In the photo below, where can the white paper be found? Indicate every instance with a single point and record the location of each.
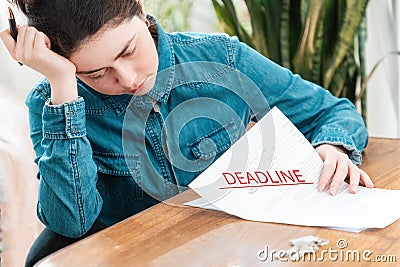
(202, 203)
(271, 175)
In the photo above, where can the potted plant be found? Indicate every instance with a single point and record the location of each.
(322, 40)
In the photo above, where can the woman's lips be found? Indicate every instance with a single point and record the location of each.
(145, 86)
(139, 87)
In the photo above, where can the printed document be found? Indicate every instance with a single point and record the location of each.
(271, 175)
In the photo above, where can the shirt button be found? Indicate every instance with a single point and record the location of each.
(74, 129)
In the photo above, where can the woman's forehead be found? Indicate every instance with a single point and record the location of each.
(105, 45)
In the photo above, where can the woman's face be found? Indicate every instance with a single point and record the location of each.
(119, 60)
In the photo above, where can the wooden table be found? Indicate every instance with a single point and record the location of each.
(168, 235)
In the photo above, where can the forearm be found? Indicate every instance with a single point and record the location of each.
(321, 117)
(63, 89)
(68, 199)
(343, 126)
(325, 119)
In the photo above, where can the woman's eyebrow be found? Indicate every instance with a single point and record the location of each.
(89, 71)
(126, 46)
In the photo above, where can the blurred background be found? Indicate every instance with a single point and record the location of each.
(382, 97)
(376, 34)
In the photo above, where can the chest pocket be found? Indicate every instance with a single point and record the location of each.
(212, 145)
(115, 163)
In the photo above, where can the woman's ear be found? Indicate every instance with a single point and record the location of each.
(141, 7)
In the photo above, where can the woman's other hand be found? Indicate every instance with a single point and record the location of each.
(337, 167)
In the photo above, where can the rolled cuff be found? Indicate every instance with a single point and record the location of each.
(64, 121)
(339, 137)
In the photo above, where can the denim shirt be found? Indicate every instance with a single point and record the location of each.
(108, 157)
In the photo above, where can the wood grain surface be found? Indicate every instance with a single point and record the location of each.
(174, 235)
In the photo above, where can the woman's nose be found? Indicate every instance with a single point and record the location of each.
(126, 77)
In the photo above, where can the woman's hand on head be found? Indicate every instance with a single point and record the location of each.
(337, 167)
(33, 50)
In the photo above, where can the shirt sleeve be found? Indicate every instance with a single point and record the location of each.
(68, 201)
(320, 116)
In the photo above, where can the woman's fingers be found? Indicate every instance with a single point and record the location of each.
(328, 170)
(340, 173)
(20, 45)
(27, 45)
(8, 42)
(354, 174)
(366, 179)
(31, 45)
(336, 168)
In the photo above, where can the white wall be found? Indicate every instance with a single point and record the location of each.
(383, 91)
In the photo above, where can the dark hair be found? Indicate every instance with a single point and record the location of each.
(68, 23)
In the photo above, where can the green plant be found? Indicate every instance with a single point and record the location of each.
(172, 14)
(322, 40)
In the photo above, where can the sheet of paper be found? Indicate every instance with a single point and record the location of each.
(271, 175)
(202, 203)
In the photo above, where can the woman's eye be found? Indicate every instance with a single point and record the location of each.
(97, 76)
(129, 53)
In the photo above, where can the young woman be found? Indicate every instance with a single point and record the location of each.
(128, 114)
